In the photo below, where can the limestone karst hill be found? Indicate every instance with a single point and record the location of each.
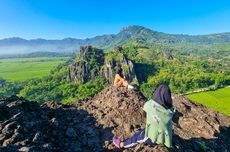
(90, 125)
(91, 63)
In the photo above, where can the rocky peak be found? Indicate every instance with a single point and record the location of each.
(134, 29)
(194, 125)
(115, 58)
(89, 53)
(92, 63)
(90, 125)
(87, 65)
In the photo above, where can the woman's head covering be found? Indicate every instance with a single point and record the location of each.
(162, 95)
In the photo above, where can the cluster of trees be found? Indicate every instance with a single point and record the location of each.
(55, 87)
(183, 73)
(10, 88)
(215, 50)
(183, 79)
(50, 90)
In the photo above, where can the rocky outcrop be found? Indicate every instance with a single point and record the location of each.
(114, 59)
(90, 125)
(87, 65)
(167, 56)
(92, 63)
(26, 126)
(196, 128)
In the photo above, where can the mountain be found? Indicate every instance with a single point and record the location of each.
(137, 33)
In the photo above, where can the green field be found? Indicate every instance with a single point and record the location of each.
(218, 100)
(21, 69)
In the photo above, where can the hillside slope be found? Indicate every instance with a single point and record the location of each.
(90, 125)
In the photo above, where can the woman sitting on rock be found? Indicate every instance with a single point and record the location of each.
(119, 80)
(159, 111)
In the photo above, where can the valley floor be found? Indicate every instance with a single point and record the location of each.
(21, 69)
(218, 100)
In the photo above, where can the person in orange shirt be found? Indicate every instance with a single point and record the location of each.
(119, 80)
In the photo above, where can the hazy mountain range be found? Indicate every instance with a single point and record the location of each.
(138, 33)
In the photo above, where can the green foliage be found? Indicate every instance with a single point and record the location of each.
(92, 58)
(126, 68)
(147, 89)
(183, 74)
(215, 50)
(114, 55)
(10, 88)
(88, 89)
(144, 71)
(181, 77)
(55, 88)
(130, 51)
(184, 77)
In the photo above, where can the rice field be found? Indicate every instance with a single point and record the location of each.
(21, 69)
(218, 100)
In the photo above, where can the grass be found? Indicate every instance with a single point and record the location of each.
(218, 100)
(21, 69)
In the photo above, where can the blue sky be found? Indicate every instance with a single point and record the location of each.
(57, 19)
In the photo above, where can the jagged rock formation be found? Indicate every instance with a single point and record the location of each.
(112, 60)
(25, 126)
(92, 62)
(122, 111)
(87, 65)
(90, 125)
(193, 124)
